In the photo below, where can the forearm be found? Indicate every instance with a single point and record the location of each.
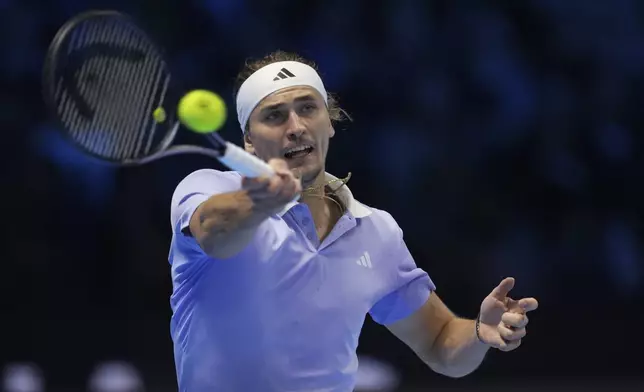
(224, 224)
(457, 348)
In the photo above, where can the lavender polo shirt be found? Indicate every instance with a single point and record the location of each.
(285, 314)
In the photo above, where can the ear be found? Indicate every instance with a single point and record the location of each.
(248, 144)
(331, 130)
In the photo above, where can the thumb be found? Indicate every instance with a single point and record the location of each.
(501, 291)
(279, 165)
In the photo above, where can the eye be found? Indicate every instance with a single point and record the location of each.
(272, 116)
(307, 107)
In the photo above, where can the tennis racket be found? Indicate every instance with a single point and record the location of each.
(103, 80)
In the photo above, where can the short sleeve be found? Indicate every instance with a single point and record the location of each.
(409, 286)
(196, 188)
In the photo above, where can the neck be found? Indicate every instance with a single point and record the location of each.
(324, 209)
(313, 196)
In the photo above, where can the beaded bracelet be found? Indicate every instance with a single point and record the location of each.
(478, 323)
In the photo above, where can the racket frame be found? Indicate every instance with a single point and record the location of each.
(50, 85)
(226, 152)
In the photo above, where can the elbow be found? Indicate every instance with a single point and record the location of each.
(222, 244)
(207, 244)
(214, 247)
(449, 371)
(454, 372)
(445, 368)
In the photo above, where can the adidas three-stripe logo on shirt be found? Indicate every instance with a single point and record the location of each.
(364, 260)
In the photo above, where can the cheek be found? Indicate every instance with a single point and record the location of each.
(324, 131)
(328, 134)
(264, 139)
(324, 148)
(267, 148)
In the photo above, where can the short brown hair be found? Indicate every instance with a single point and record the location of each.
(336, 114)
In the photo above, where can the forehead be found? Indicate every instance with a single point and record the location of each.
(288, 95)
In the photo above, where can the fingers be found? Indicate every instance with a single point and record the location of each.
(510, 335)
(272, 185)
(528, 304)
(275, 190)
(515, 320)
(279, 166)
(502, 290)
(502, 337)
(289, 187)
(284, 184)
(504, 345)
(510, 345)
(281, 187)
(512, 330)
(498, 342)
(254, 184)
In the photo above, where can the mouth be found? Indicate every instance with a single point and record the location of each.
(298, 152)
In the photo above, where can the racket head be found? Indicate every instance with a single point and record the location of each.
(103, 79)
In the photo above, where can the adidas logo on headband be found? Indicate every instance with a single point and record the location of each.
(283, 74)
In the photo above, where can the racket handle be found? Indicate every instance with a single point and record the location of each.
(248, 165)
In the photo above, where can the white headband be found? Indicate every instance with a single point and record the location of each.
(271, 78)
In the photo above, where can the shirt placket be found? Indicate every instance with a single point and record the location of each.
(304, 221)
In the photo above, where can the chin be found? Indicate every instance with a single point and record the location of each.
(307, 173)
(308, 177)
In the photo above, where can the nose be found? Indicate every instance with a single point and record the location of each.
(295, 127)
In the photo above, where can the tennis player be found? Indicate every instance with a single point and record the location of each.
(270, 293)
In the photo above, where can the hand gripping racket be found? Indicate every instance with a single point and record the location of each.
(103, 80)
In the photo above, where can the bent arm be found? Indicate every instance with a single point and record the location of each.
(224, 224)
(446, 343)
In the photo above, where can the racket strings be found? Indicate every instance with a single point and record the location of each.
(118, 82)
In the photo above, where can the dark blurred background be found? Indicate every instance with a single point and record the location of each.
(504, 136)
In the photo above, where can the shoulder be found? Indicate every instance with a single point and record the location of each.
(382, 220)
(207, 181)
(205, 176)
(380, 228)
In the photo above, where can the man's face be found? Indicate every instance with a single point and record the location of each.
(292, 124)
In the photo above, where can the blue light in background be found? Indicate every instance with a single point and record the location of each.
(92, 181)
(623, 256)
(224, 12)
(564, 169)
(614, 142)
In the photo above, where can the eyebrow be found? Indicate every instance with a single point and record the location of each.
(302, 98)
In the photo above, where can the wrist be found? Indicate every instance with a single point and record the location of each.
(477, 329)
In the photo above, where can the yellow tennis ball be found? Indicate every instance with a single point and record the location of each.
(159, 115)
(202, 111)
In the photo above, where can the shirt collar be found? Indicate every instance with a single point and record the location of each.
(357, 209)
